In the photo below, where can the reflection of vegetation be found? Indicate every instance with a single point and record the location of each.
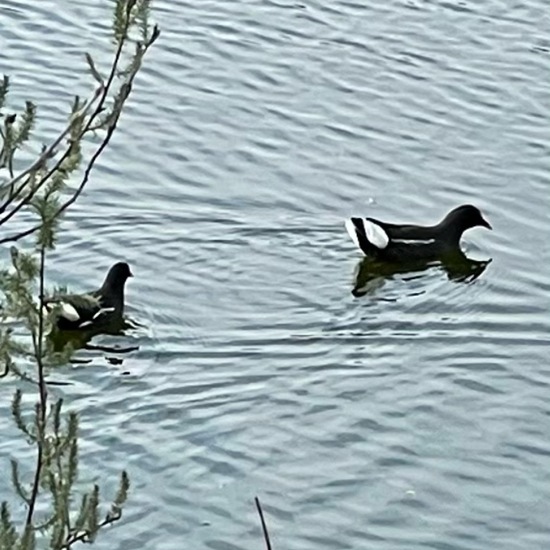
(371, 274)
(36, 198)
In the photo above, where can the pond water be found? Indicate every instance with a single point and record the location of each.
(414, 416)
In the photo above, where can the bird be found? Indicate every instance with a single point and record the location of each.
(93, 309)
(390, 242)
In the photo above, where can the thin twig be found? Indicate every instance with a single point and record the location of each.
(93, 159)
(21, 234)
(41, 380)
(6, 370)
(112, 126)
(42, 391)
(103, 91)
(69, 201)
(47, 153)
(264, 526)
(88, 170)
(83, 536)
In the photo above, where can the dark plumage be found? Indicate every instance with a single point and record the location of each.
(94, 309)
(396, 243)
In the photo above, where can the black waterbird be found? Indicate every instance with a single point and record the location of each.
(94, 309)
(405, 243)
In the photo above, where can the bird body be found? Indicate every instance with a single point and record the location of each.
(394, 242)
(93, 309)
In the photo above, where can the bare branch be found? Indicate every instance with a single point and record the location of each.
(93, 69)
(43, 392)
(264, 526)
(46, 154)
(102, 93)
(85, 535)
(112, 127)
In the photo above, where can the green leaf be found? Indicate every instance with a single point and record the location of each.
(123, 489)
(143, 14)
(93, 70)
(4, 88)
(119, 20)
(82, 514)
(18, 416)
(21, 491)
(22, 133)
(92, 520)
(28, 541)
(8, 535)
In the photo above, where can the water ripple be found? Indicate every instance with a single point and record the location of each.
(415, 416)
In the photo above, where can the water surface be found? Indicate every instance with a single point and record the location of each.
(416, 416)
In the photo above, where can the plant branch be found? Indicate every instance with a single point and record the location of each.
(6, 371)
(83, 536)
(43, 392)
(102, 91)
(98, 151)
(44, 190)
(89, 168)
(46, 154)
(264, 526)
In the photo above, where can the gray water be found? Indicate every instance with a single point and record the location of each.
(416, 416)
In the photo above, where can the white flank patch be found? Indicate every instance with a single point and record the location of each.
(85, 324)
(414, 241)
(67, 311)
(375, 234)
(350, 228)
(102, 311)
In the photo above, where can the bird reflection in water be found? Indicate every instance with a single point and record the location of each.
(372, 274)
(74, 340)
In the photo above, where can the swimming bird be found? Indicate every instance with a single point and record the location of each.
(395, 243)
(93, 309)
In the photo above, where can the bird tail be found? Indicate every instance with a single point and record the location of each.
(367, 235)
(352, 232)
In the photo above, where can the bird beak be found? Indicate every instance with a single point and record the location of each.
(130, 274)
(485, 223)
